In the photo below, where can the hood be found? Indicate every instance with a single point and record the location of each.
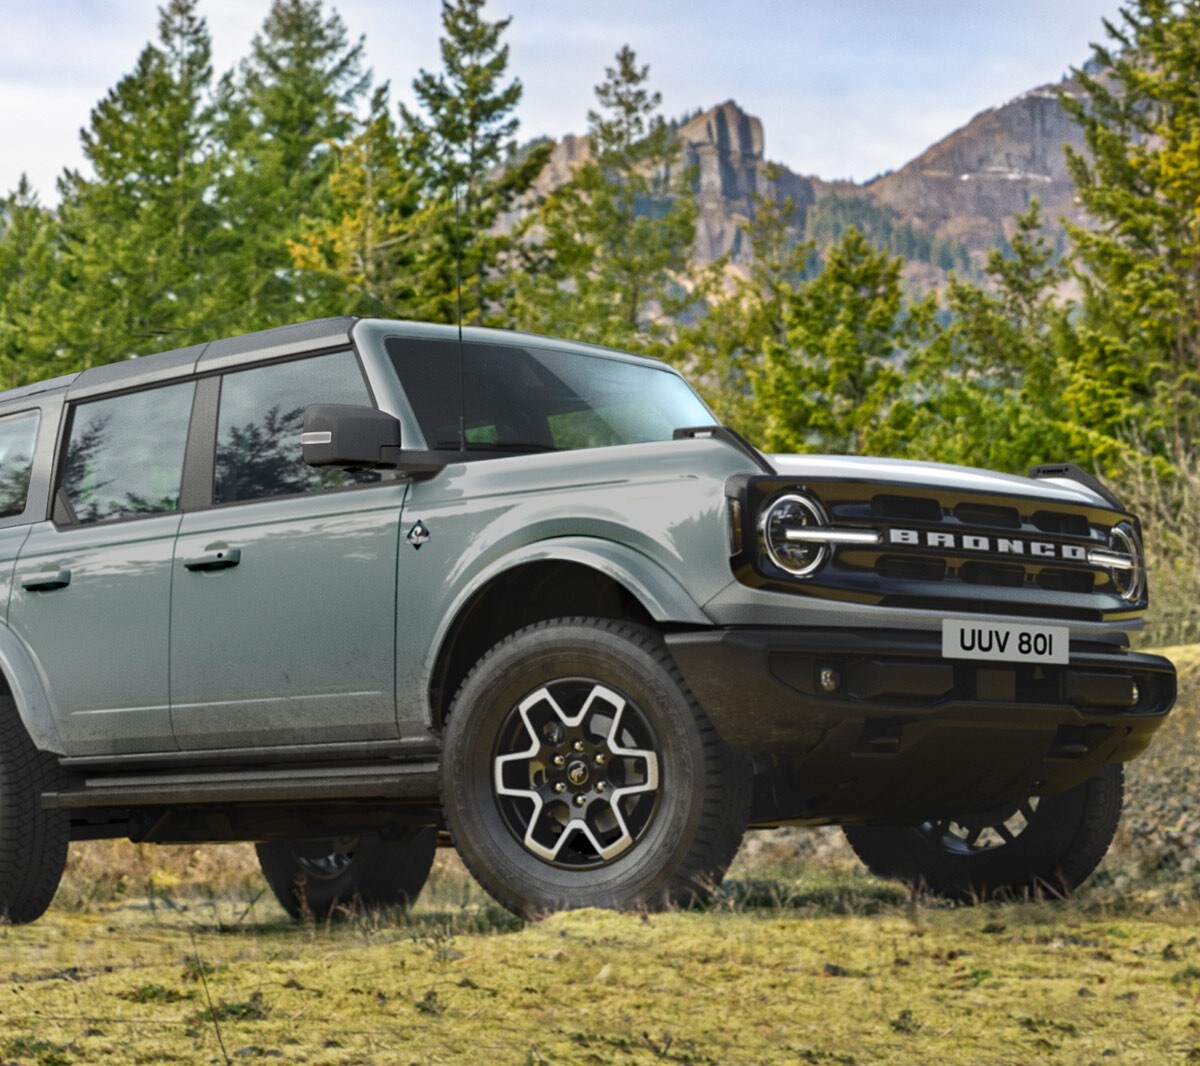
(912, 473)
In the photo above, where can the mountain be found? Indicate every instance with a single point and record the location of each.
(942, 211)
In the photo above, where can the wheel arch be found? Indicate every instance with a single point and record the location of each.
(22, 680)
(568, 577)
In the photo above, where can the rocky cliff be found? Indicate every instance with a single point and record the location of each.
(942, 210)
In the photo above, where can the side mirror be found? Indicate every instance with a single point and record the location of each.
(348, 436)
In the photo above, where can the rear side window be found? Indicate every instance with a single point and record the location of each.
(18, 435)
(260, 421)
(125, 454)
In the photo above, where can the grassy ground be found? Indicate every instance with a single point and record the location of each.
(178, 955)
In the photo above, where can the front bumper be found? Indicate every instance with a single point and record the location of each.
(908, 735)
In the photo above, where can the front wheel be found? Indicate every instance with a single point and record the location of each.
(579, 771)
(312, 878)
(1048, 844)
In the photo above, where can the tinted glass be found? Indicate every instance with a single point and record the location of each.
(261, 418)
(537, 399)
(125, 455)
(18, 435)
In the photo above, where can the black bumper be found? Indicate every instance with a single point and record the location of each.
(907, 734)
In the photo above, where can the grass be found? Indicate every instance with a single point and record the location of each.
(179, 955)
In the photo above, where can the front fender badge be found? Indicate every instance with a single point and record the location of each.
(418, 535)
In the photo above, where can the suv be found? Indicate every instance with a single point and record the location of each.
(353, 588)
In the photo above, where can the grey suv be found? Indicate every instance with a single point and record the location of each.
(352, 588)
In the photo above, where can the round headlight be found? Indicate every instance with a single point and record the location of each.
(798, 558)
(1130, 583)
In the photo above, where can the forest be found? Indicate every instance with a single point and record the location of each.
(293, 187)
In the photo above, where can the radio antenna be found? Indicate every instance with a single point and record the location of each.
(462, 370)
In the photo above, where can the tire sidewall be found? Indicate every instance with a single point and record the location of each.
(639, 877)
(1058, 849)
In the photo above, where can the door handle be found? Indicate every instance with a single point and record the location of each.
(214, 559)
(46, 580)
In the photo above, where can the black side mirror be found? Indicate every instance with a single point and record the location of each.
(348, 436)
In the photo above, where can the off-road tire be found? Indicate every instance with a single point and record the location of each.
(33, 842)
(366, 875)
(700, 807)
(1061, 845)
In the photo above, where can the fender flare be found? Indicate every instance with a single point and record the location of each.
(663, 597)
(30, 692)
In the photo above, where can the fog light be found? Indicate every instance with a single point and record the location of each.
(1135, 694)
(829, 679)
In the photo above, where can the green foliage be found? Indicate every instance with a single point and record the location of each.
(831, 388)
(29, 265)
(1139, 263)
(289, 101)
(610, 247)
(747, 313)
(456, 146)
(987, 390)
(370, 243)
(137, 234)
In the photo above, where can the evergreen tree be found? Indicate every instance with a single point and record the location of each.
(289, 102)
(833, 385)
(138, 229)
(29, 287)
(988, 389)
(746, 313)
(1138, 261)
(610, 247)
(370, 246)
(460, 143)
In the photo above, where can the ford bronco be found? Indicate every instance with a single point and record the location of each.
(353, 588)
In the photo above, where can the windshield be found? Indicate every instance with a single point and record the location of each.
(517, 398)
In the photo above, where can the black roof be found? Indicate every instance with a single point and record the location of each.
(212, 355)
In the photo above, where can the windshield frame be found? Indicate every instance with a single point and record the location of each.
(441, 428)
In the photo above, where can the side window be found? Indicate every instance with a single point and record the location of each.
(18, 435)
(125, 454)
(260, 420)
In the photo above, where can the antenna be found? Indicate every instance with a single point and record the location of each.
(462, 359)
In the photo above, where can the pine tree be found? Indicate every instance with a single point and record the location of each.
(610, 247)
(1138, 262)
(370, 246)
(29, 287)
(137, 230)
(460, 142)
(832, 386)
(282, 112)
(988, 389)
(746, 313)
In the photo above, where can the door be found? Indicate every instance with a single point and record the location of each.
(91, 590)
(283, 617)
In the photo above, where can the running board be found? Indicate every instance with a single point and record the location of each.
(396, 781)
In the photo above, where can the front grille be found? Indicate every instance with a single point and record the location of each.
(953, 550)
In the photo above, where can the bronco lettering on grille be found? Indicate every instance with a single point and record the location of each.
(979, 543)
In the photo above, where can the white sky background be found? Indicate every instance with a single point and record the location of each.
(845, 88)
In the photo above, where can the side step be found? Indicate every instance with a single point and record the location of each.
(387, 781)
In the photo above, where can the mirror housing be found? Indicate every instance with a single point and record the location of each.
(349, 436)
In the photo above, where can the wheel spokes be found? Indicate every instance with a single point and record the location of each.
(580, 777)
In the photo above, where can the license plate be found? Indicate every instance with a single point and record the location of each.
(1001, 642)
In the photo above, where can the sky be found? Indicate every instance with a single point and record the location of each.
(845, 88)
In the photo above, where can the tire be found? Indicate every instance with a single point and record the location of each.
(1045, 846)
(312, 879)
(33, 842)
(645, 807)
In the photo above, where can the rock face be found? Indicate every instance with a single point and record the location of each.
(961, 192)
(724, 149)
(968, 184)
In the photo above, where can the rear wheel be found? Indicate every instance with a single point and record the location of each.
(33, 842)
(579, 771)
(312, 878)
(1048, 844)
